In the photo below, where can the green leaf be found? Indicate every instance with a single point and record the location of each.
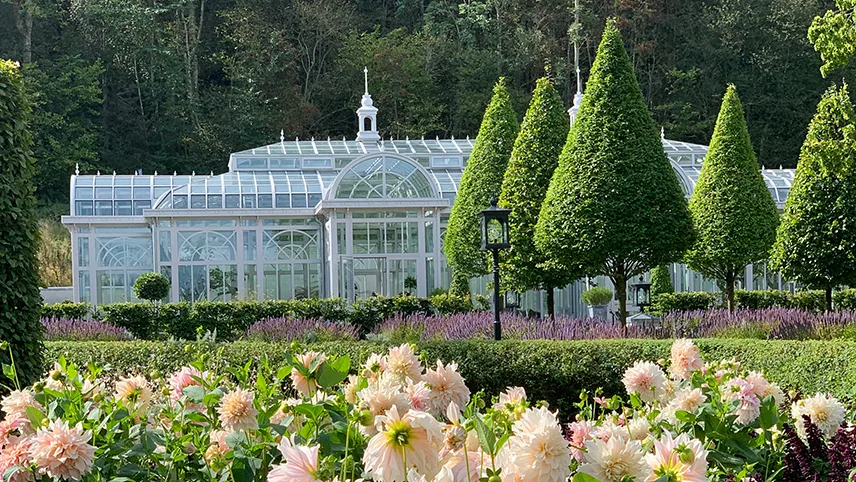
(487, 439)
(333, 373)
(769, 417)
(194, 392)
(581, 477)
(36, 416)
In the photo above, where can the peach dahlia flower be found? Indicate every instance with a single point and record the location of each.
(63, 452)
(237, 412)
(414, 437)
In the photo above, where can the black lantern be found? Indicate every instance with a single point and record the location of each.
(642, 293)
(512, 300)
(494, 236)
(494, 227)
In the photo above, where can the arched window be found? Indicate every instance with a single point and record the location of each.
(367, 124)
(384, 177)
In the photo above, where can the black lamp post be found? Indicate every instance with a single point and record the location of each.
(642, 294)
(494, 236)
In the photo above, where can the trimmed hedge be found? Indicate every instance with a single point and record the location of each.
(549, 370)
(698, 300)
(66, 309)
(230, 320)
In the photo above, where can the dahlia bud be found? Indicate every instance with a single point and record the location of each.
(686, 455)
(366, 418)
(189, 448)
(56, 375)
(4, 345)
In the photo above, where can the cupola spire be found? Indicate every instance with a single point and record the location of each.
(578, 97)
(367, 115)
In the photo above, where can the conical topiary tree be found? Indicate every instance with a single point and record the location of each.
(481, 181)
(533, 159)
(614, 205)
(816, 240)
(734, 216)
(20, 302)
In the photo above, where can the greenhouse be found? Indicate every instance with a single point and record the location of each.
(307, 218)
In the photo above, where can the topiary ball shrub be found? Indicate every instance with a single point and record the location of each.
(151, 287)
(597, 296)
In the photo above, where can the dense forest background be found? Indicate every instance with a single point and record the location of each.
(176, 85)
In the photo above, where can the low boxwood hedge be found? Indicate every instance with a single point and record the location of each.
(549, 370)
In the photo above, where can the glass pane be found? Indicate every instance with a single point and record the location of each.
(123, 208)
(251, 283)
(283, 201)
(429, 236)
(123, 193)
(179, 202)
(265, 201)
(233, 201)
(197, 201)
(83, 193)
(249, 201)
(249, 245)
(140, 205)
(103, 208)
(83, 287)
(165, 246)
(83, 208)
(215, 201)
(83, 251)
(103, 193)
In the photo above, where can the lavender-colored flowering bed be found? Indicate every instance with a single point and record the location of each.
(305, 329)
(768, 323)
(478, 325)
(67, 329)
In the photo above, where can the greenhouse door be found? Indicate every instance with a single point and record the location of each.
(369, 277)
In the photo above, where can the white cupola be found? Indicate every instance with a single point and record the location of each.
(367, 116)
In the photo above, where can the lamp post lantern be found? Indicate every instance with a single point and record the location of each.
(642, 294)
(494, 237)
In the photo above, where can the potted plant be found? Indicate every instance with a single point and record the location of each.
(597, 298)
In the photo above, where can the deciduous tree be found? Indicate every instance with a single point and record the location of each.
(614, 205)
(733, 213)
(816, 240)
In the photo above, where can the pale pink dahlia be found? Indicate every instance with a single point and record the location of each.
(351, 389)
(402, 363)
(186, 377)
(748, 406)
(455, 467)
(373, 366)
(825, 411)
(11, 429)
(299, 463)
(686, 358)
(237, 411)
(420, 396)
(15, 404)
(306, 386)
(447, 385)
(580, 433)
(615, 461)
(414, 437)
(510, 399)
(680, 459)
(217, 445)
(60, 451)
(645, 379)
(537, 450)
(17, 455)
(763, 388)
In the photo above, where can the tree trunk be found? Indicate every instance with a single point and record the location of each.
(729, 290)
(24, 24)
(829, 298)
(620, 283)
(551, 302)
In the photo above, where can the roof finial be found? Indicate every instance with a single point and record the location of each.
(366, 76)
(77, 169)
(662, 133)
(282, 135)
(578, 97)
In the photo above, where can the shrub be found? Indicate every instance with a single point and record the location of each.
(550, 370)
(813, 300)
(20, 302)
(666, 302)
(369, 312)
(763, 299)
(449, 304)
(151, 287)
(844, 299)
(138, 318)
(69, 329)
(597, 296)
(661, 280)
(66, 309)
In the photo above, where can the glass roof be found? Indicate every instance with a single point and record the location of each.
(778, 181)
(296, 174)
(346, 147)
(384, 177)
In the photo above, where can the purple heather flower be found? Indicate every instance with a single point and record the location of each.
(67, 329)
(306, 329)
